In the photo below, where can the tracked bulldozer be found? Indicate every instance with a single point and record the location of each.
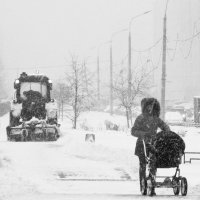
(33, 114)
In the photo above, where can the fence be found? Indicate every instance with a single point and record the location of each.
(191, 158)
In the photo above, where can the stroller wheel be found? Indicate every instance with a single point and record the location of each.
(176, 186)
(144, 186)
(184, 186)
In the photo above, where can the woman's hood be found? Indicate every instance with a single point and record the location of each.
(150, 106)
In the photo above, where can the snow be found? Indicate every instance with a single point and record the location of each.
(96, 120)
(72, 168)
(173, 117)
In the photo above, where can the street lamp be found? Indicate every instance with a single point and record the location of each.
(129, 53)
(111, 70)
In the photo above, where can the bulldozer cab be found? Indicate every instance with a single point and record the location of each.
(26, 85)
(33, 86)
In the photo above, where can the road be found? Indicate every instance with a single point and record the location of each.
(60, 170)
(71, 168)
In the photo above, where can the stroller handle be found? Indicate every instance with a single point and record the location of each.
(145, 151)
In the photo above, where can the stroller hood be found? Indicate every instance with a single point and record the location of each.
(170, 147)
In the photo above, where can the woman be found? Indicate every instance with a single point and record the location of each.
(145, 128)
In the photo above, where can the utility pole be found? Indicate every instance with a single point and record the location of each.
(129, 115)
(129, 67)
(62, 108)
(163, 79)
(98, 80)
(85, 76)
(111, 80)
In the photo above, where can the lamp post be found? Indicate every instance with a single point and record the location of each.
(129, 55)
(111, 69)
(163, 79)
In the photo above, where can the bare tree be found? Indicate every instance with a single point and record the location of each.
(139, 87)
(60, 93)
(3, 93)
(79, 84)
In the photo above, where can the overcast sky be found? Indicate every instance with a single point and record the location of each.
(44, 32)
(41, 34)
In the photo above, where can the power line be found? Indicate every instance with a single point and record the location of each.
(190, 48)
(194, 35)
(149, 48)
(189, 38)
(159, 59)
(174, 54)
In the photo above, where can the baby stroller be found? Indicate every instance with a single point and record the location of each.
(168, 149)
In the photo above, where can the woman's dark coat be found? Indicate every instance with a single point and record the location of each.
(147, 124)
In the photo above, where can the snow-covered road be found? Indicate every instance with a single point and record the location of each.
(71, 168)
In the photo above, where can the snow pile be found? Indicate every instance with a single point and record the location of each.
(4, 122)
(4, 161)
(97, 121)
(173, 117)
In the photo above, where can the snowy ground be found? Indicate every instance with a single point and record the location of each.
(71, 168)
